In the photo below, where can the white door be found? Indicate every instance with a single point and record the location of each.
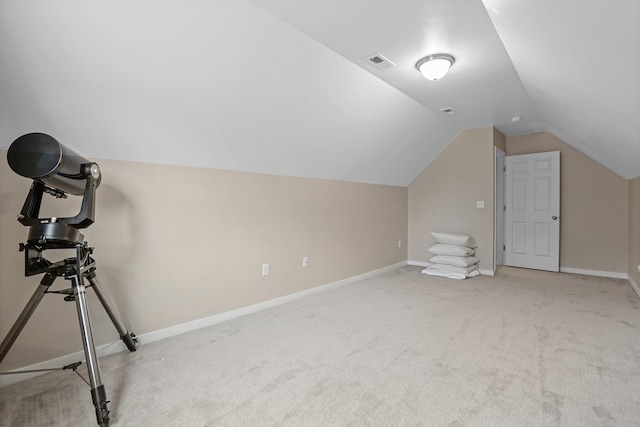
(533, 211)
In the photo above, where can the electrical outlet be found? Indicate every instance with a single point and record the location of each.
(305, 262)
(399, 243)
(480, 204)
(265, 269)
(638, 268)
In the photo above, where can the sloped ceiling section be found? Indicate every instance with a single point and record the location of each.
(483, 88)
(218, 84)
(580, 62)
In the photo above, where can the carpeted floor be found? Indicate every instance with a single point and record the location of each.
(523, 348)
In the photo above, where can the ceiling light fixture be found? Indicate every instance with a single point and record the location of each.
(434, 67)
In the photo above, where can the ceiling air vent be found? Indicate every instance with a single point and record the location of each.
(447, 110)
(379, 61)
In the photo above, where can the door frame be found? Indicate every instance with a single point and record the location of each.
(500, 168)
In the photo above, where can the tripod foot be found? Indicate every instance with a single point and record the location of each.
(130, 340)
(99, 397)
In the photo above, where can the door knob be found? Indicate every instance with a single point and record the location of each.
(554, 217)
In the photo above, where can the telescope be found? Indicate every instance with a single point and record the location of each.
(41, 157)
(58, 171)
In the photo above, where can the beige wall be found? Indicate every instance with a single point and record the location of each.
(177, 244)
(443, 197)
(594, 206)
(634, 230)
(499, 140)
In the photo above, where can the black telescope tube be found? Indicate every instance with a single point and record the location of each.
(41, 157)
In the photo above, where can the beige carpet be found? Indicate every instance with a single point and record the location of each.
(522, 348)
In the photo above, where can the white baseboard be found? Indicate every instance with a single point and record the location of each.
(487, 272)
(635, 286)
(161, 334)
(233, 314)
(611, 274)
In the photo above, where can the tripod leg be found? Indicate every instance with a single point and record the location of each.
(24, 317)
(129, 338)
(98, 394)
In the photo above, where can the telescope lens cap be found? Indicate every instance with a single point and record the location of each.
(34, 155)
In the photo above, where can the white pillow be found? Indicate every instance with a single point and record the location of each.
(460, 261)
(445, 267)
(450, 273)
(454, 239)
(455, 250)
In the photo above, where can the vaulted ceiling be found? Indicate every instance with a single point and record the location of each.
(285, 86)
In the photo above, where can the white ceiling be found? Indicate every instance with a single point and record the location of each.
(282, 86)
(482, 87)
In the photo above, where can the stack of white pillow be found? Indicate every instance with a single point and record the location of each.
(453, 256)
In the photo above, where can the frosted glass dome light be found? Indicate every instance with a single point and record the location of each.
(434, 67)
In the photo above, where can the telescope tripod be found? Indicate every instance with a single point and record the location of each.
(75, 270)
